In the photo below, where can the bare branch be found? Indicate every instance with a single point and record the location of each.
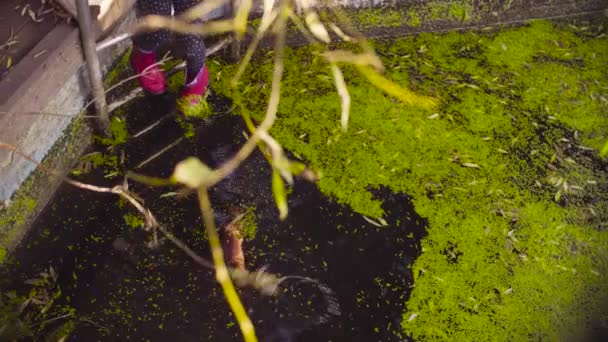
(159, 153)
(272, 108)
(344, 96)
(112, 41)
(51, 114)
(203, 9)
(267, 21)
(156, 22)
(179, 244)
(240, 19)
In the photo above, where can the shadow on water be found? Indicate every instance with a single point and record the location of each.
(127, 291)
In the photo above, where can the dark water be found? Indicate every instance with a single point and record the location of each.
(134, 292)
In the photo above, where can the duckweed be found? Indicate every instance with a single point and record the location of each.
(507, 170)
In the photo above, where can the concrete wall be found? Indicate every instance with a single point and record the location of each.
(39, 100)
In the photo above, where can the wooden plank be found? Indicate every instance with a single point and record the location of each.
(25, 31)
(48, 57)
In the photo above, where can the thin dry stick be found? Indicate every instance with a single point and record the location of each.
(130, 96)
(156, 22)
(151, 126)
(300, 27)
(144, 72)
(267, 20)
(137, 91)
(194, 13)
(344, 96)
(113, 41)
(241, 16)
(159, 153)
(134, 92)
(14, 150)
(202, 10)
(221, 272)
(121, 191)
(51, 114)
(344, 19)
(51, 320)
(151, 221)
(187, 250)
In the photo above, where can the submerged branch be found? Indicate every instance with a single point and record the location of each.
(221, 272)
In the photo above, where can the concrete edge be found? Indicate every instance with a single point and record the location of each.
(39, 106)
(479, 18)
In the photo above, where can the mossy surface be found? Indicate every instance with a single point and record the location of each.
(116, 72)
(379, 17)
(416, 14)
(16, 214)
(14, 217)
(248, 224)
(507, 170)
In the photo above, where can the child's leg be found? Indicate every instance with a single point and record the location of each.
(150, 41)
(143, 57)
(191, 45)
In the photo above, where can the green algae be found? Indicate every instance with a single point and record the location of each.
(117, 71)
(413, 18)
(109, 159)
(15, 216)
(415, 15)
(523, 117)
(379, 17)
(248, 224)
(134, 220)
(118, 131)
(19, 208)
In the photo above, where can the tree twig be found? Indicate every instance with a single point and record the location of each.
(271, 111)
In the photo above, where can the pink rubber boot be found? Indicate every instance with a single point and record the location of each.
(194, 92)
(151, 76)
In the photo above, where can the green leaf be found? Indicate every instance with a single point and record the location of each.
(558, 195)
(393, 89)
(604, 150)
(191, 172)
(2, 254)
(194, 106)
(296, 168)
(280, 196)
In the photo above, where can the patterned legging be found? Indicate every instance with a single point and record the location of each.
(190, 46)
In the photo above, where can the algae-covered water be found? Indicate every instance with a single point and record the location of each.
(506, 171)
(502, 235)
